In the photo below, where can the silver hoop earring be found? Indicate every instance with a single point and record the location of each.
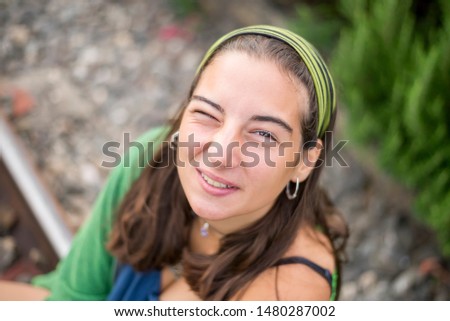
(288, 192)
(174, 140)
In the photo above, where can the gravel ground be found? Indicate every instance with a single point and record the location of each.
(74, 75)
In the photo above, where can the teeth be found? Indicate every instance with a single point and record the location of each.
(212, 182)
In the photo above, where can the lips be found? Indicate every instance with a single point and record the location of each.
(216, 182)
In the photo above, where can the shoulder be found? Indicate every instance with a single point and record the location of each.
(156, 134)
(294, 281)
(137, 154)
(312, 244)
(144, 146)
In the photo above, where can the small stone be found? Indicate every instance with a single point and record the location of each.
(102, 76)
(54, 76)
(90, 174)
(381, 291)
(23, 102)
(119, 116)
(8, 219)
(367, 280)
(99, 96)
(19, 34)
(349, 291)
(123, 39)
(36, 257)
(89, 56)
(76, 40)
(80, 72)
(31, 53)
(8, 252)
(343, 179)
(442, 293)
(405, 281)
(189, 60)
(132, 60)
(404, 262)
(55, 96)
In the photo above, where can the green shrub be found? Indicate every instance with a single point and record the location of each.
(183, 8)
(319, 22)
(393, 72)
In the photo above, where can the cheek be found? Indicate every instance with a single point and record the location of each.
(285, 155)
(276, 162)
(191, 140)
(263, 176)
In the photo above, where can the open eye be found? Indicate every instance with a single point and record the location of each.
(268, 136)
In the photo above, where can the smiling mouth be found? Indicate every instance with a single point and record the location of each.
(214, 183)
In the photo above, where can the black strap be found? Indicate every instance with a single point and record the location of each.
(301, 260)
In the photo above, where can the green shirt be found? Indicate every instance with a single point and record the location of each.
(86, 273)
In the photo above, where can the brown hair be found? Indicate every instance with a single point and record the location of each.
(154, 219)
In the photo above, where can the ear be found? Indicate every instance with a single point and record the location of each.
(308, 162)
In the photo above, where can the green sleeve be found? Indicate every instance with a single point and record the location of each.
(86, 273)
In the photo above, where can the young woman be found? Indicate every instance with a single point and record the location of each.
(232, 209)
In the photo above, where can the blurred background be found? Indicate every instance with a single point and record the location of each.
(77, 74)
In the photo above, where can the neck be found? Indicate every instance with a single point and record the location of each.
(208, 229)
(232, 224)
(209, 242)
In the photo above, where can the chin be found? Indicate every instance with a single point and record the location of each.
(209, 212)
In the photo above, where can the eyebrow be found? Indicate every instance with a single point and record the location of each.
(261, 118)
(209, 102)
(275, 120)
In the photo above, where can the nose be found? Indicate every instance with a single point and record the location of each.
(223, 149)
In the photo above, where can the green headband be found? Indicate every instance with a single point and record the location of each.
(323, 83)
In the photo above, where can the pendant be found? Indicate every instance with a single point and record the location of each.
(204, 229)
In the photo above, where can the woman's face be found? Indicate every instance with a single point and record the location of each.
(238, 139)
